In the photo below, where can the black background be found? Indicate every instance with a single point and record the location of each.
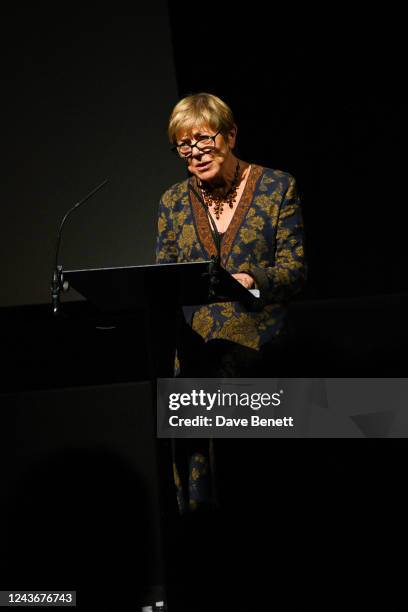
(317, 92)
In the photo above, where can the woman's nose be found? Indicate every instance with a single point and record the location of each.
(195, 151)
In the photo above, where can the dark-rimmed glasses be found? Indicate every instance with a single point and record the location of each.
(204, 144)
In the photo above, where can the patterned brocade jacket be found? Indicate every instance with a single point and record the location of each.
(263, 239)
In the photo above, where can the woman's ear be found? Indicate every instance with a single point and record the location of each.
(232, 136)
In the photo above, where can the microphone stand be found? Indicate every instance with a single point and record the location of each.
(57, 281)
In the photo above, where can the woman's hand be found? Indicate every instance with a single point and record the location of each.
(244, 279)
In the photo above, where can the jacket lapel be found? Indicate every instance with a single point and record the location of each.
(202, 223)
(240, 213)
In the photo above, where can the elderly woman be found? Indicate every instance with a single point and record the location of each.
(248, 215)
(254, 215)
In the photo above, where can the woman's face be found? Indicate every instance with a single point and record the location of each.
(209, 164)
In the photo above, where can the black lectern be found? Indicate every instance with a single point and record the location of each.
(158, 292)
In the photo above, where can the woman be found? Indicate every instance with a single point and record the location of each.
(248, 215)
(256, 211)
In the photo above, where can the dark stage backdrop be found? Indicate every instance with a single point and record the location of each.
(87, 95)
(317, 92)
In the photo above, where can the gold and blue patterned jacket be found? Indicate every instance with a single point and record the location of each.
(265, 239)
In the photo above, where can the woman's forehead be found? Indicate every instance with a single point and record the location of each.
(193, 131)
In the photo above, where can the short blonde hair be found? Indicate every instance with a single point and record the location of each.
(202, 109)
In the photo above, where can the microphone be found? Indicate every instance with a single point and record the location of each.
(57, 282)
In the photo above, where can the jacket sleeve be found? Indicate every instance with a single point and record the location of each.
(166, 246)
(287, 275)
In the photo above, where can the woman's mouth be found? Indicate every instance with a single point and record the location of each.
(203, 166)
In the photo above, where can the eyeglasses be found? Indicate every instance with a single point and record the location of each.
(205, 144)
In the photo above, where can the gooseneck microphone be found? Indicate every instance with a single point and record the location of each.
(57, 280)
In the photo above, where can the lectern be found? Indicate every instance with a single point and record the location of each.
(158, 292)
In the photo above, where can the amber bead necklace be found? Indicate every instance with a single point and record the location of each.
(211, 198)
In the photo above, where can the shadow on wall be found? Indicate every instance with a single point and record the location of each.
(78, 521)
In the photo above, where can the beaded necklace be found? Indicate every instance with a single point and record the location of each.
(211, 197)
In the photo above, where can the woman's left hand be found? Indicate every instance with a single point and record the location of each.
(244, 279)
